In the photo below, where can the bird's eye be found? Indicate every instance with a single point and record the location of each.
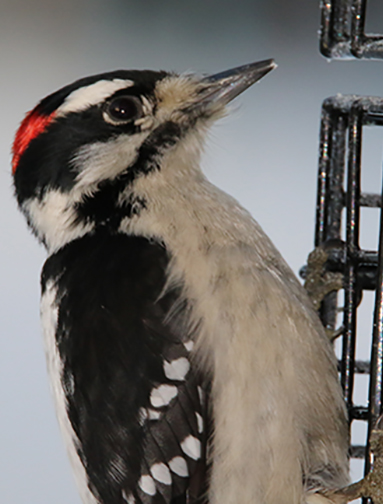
(123, 109)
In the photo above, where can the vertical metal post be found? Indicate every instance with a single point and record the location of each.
(325, 156)
(330, 198)
(352, 239)
(358, 20)
(376, 368)
(336, 178)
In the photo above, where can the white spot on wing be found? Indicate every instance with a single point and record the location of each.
(189, 345)
(128, 498)
(177, 369)
(199, 422)
(191, 446)
(161, 473)
(147, 484)
(162, 395)
(148, 414)
(153, 415)
(179, 466)
(86, 96)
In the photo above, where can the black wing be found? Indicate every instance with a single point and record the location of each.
(135, 400)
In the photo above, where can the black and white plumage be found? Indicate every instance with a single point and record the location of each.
(186, 361)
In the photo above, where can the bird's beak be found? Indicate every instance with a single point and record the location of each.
(219, 89)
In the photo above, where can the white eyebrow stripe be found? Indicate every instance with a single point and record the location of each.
(95, 93)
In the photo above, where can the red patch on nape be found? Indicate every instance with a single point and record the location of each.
(32, 126)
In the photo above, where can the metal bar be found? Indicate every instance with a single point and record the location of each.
(359, 413)
(341, 19)
(357, 451)
(330, 199)
(358, 20)
(370, 200)
(352, 240)
(371, 48)
(326, 28)
(376, 370)
(325, 155)
(362, 367)
(329, 304)
(336, 177)
(343, 31)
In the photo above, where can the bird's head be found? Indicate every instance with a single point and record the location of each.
(81, 147)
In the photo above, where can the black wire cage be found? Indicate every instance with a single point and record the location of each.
(338, 218)
(339, 193)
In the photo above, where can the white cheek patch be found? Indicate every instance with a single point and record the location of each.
(53, 219)
(105, 160)
(96, 93)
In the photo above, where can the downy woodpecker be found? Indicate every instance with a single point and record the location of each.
(186, 361)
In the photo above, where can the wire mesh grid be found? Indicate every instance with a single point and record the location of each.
(339, 192)
(343, 31)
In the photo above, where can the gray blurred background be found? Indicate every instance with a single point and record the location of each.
(265, 154)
